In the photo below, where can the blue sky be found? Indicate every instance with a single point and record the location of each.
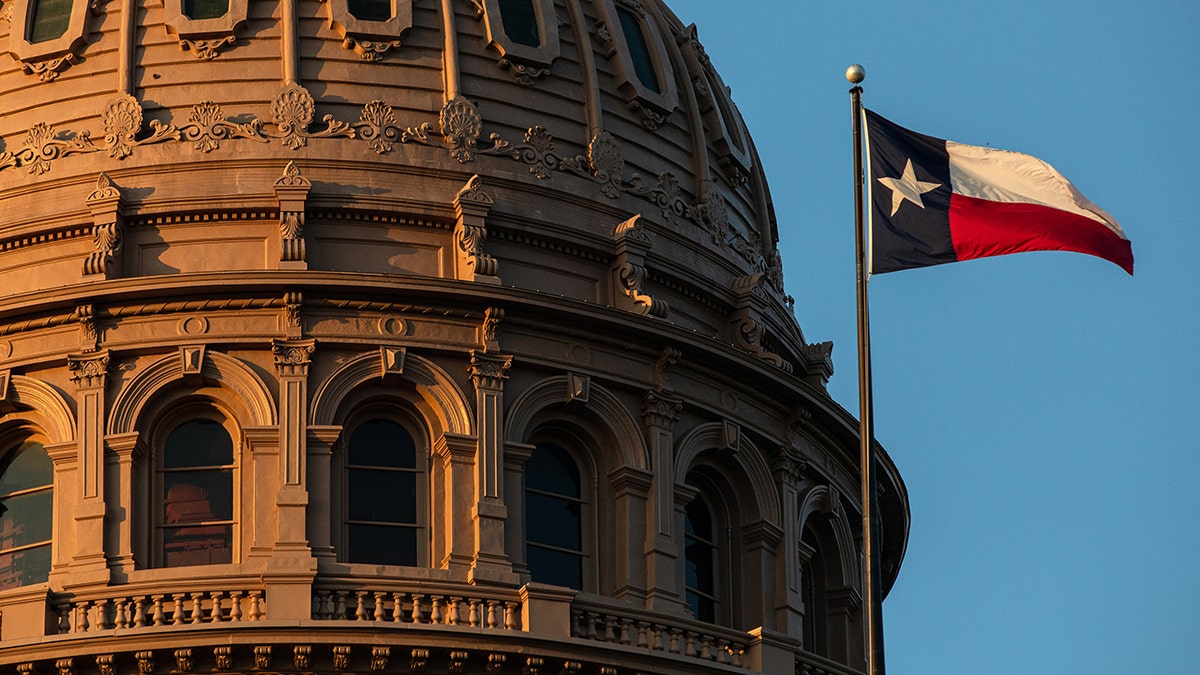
(1042, 406)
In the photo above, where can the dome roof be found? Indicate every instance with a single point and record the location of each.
(596, 132)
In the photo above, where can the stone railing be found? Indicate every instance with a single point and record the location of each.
(123, 607)
(646, 630)
(419, 604)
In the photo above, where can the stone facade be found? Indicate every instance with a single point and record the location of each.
(230, 244)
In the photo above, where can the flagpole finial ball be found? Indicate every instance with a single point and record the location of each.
(856, 74)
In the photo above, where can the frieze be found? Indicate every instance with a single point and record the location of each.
(460, 129)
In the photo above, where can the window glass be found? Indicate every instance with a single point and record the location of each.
(196, 479)
(520, 22)
(553, 517)
(48, 19)
(383, 522)
(26, 515)
(639, 50)
(700, 560)
(370, 10)
(205, 9)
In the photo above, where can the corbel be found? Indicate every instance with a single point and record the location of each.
(291, 193)
(471, 207)
(106, 203)
(746, 321)
(631, 244)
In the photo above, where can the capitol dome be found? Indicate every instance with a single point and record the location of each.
(405, 336)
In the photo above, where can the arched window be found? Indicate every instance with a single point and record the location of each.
(639, 50)
(26, 509)
(812, 592)
(700, 560)
(197, 486)
(554, 507)
(384, 495)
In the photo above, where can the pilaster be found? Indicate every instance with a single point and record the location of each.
(89, 372)
(488, 373)
(660, 413)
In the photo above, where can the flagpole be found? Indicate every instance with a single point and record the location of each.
(872, 585)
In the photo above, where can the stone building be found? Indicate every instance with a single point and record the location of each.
(442, 336)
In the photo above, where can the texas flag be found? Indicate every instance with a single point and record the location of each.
(935, 201)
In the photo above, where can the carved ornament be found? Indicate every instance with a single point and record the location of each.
(489, 371)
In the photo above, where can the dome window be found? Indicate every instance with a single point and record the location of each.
(639, 51)
(520, 22)
(642, 66)
(197, 483)
(205, 9)
(26, 510)
(370, 27)
(554, 507)
(49, 19)
(47, 35)
(204, 26)
(384, 491)
(370, 10)
(524, 32)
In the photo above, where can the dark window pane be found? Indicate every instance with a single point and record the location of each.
(639, 51)
(49, 19)
(704, 609)
(197, 545)
(554, 567)
(25, 468)
(553, 521)
(26, 519)
(204, 9)
(370, 10)
(550, 469)
(382, 544)
(384, 496)
(520, 22)
(698, 519)
(699, 565)
(197, 496)
(382, 443)
(28, 566)
(199, 442)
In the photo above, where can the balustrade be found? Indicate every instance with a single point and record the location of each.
(414, 607)
(143, 610)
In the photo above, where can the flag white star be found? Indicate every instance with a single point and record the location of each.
(907, 187)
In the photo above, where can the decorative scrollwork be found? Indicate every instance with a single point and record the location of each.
(377, 126)
(208, 127)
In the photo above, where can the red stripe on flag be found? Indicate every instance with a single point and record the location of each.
(980, 228)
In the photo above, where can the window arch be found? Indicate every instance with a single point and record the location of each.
(555, 510)
(26, 513)
(196, 480)
(384, 493)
